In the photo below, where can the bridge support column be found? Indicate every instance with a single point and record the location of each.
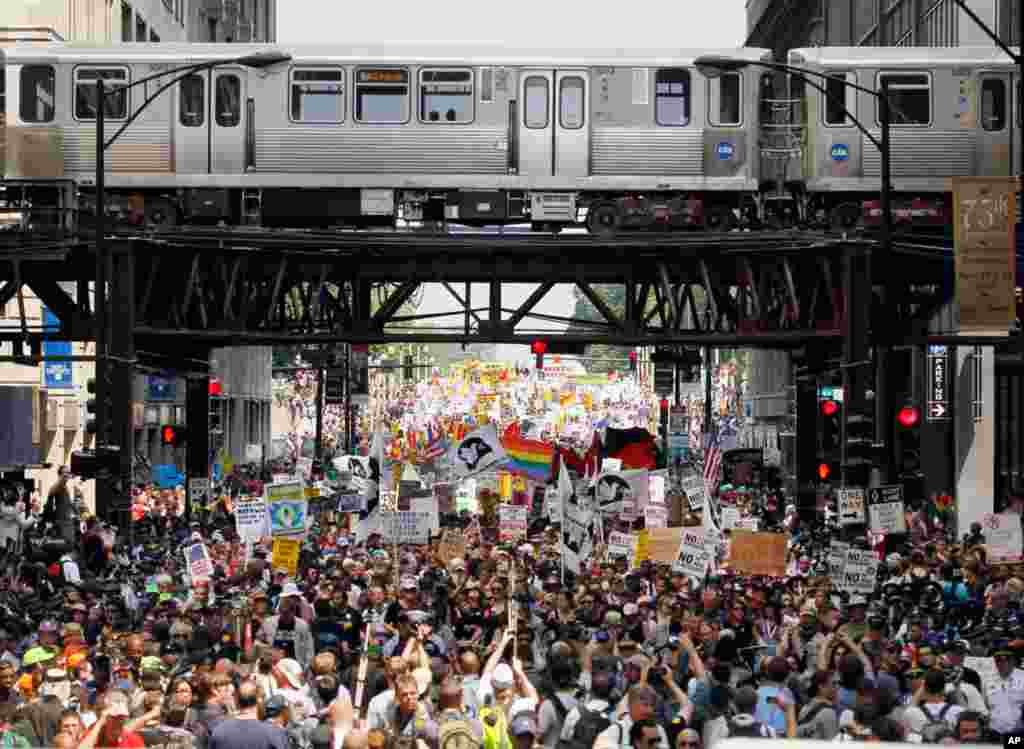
(974, 433)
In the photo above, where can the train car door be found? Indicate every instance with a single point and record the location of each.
(572, 131)
(995, 95)
(227, 125)
(536, 123)
(192, 125)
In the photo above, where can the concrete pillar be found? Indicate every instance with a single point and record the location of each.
(974, 434)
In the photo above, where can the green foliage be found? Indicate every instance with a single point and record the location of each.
(614, 295)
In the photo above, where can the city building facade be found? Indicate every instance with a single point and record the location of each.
(241, 407)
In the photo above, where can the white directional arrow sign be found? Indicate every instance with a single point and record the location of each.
(937, 410)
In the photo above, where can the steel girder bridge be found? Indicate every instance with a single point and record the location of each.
(183, 292)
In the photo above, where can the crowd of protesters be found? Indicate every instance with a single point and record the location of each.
(500, 648)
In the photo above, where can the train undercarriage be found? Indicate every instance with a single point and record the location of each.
(64, 205)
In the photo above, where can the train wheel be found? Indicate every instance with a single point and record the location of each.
(161, 214)
(719, 218)
(603, 219)
(845, 216)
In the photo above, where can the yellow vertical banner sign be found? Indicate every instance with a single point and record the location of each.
(505, 486)
(642, 550)
(285, 555)
(984, 228)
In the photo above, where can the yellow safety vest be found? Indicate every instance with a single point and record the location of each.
(496, 736)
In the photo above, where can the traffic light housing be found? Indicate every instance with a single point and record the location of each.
(538, 348)
(407, 368)
(908, 451)
(91, 406)
(632, 362)
(861, 454)
(173, 435)
(90, 464)
(831, 425)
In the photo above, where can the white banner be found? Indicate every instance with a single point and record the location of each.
(1002, 537)
(656, 490)
(512, 522)
(693, 485)
(477, 452)
(885, 507)
(251, 520)
(621, 545)
(655, 516)
(579, 532)
(351, 501)
(860, 572)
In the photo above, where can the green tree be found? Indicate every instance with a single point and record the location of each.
(585, 314)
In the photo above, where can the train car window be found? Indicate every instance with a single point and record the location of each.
(672, 97)
(993, 104)
(115, 103)
(382, 95)
(486, 85)
(229, 100)
(535, 111)
(840, 100)
(572, 103)
(910, 98)
(318, 95)
(446, 96)
(192, 101)
(725, 104)
(37, 93)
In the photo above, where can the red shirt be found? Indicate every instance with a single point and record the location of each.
(130, 740)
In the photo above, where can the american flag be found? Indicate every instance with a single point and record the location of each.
(712, 461)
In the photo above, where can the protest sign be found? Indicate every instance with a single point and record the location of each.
(655, 516)
(693, 487)
(304, 468)
(621, 492)
(851, 506)
(837, 558)
(663, 544)
(350, 501)
(284, 555)
(693, 557)
(642, 550)
(656, 490)
(406, 527)
(1002, 537)
(758, 553)
(860, 572)
(885, 506)
(621, 544)
(465, 496)
(512, 522)
(730, 517)
(251, 519)
(287, 506)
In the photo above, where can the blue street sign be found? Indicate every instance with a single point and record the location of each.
(56, 374)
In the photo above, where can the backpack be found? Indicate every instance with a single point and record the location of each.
(590, 725)
(454, 732)
(936, 728)
(805, 726)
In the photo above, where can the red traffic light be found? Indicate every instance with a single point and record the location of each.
(664, 404)
(632, 356)
(908, 416)
(829, 408)
(168, 434)
(216, 388)
(824, 471)
(538, 347)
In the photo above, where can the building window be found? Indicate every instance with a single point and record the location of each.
(572, 103)
(993, 104)
(37, 93)
(211, 24)
(153, 36)
(140, 28)
(115, 102)
(910, 98)
(446, 96)
(672, 97)
(127, 26)
(382, 95)
(535, 112)
(724, 102)
(229, 100)
(318, 95)
(486, 85)
(192, 101)
(840, 99)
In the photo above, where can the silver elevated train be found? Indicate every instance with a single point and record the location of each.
(447, 133)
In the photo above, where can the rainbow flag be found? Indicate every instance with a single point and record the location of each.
(529, 458)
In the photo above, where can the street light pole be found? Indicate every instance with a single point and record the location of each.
(99, 300)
